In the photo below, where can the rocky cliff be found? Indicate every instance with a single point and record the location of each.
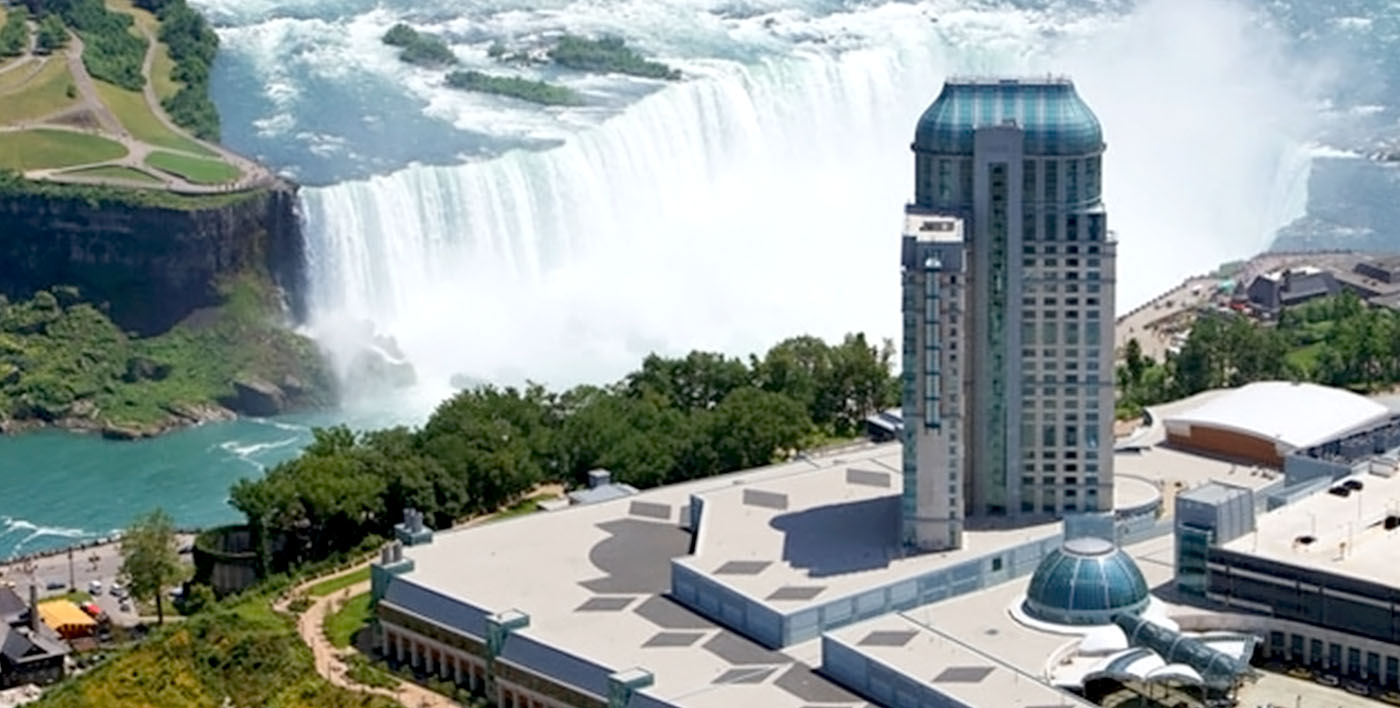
(150, 265)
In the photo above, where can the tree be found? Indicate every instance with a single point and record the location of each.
(1132, 358)
(149, 559)
(751, 427)
(52, 34)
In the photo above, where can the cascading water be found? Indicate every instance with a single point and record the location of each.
(760, 200)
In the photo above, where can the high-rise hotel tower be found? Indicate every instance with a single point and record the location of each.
(1008, 311)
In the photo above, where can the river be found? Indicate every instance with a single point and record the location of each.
(757, 199)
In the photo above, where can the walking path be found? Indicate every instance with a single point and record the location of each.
(88, 90)
(29, 56)
(330, 661)
(252, 175)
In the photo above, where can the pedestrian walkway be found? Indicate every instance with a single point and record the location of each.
(330, 661)
(252, 175)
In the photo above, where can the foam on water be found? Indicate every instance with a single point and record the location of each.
(761, 198)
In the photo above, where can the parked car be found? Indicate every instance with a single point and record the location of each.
(1357, 688)
(1301, 672)
(95, 587)
(1391, 697)
(1329, 680)
(56, 585)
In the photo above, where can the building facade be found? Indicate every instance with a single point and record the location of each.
(1008, 380)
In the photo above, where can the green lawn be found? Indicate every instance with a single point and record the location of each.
(116, 172)
(194, 169)
(131, 109)
(524, 506)
(77, 596)
(326, 587)
(41, 149)
(18, 78)
(342, 626)
(1305, 357)
(44, 94)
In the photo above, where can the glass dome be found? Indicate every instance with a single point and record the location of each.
(1085, 581)
(1056, 121)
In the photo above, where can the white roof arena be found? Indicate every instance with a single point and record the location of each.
(1292, 415)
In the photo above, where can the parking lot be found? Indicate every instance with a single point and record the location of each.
(101, 563)
(1278, 690)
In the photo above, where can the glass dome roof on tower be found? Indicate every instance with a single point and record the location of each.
(1085, 581)
(1055, 120)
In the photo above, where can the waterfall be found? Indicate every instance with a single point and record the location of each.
(762, 200)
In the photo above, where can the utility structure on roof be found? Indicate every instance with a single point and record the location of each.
(1008, 300)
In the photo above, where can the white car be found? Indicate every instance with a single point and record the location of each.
(117, 590)
(95, 587)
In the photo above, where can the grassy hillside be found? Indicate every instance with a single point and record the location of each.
(241, 656)
(63, 361)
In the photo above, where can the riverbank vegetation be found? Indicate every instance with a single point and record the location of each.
(540, 92)
(607, 55)
(1336, 341)
(672, 420)
(419, 47)
(63, 362)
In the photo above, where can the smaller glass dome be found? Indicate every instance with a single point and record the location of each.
(1085, 581)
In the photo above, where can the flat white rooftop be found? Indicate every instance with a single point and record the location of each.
(804, 539)
(1349, 536)
(819, 535)
(592, 578)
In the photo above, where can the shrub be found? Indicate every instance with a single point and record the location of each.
(14, 35)
(608, 54)
(524, 89)
(419, 48)
(52, 34)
